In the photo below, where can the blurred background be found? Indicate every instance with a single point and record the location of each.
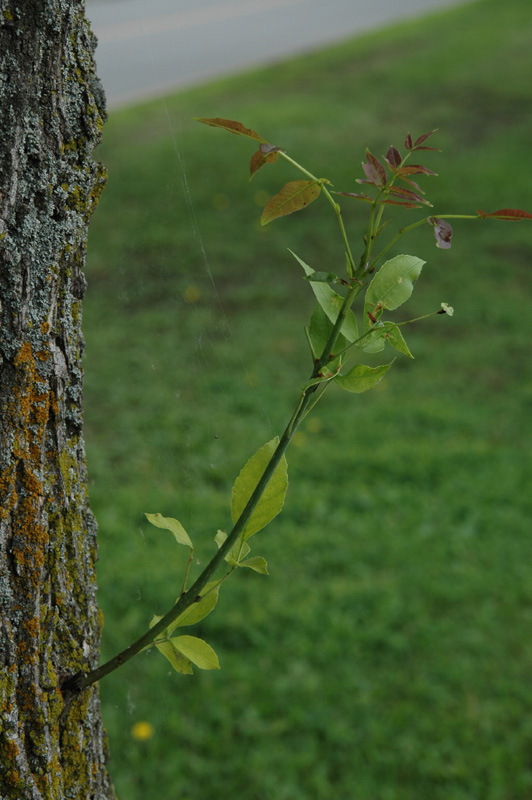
(387, 655)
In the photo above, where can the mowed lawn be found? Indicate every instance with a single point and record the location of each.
(388, 655)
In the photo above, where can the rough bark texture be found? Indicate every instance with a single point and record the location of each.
(51, 108)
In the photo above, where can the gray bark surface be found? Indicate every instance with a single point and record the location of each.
(51, 108)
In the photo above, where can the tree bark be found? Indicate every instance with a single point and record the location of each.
(51, 109)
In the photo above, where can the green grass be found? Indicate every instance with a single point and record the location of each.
(387, 656)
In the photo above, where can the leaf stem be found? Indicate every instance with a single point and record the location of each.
(336, 207)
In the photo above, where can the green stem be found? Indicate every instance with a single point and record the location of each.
(336, 208)
(328, 350)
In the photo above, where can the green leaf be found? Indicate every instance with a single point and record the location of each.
(231, 126)
(386, 332)
(392, 285)
(271, 501)
(179, 661)
(331, 302)
(257, 564)
(200, 609)
(294, 196)
(394, 337)
(197, 651)
(362, 378)
(172, 525)
(238, 551)
(319, 331)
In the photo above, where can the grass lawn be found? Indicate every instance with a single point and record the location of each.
(388, 656)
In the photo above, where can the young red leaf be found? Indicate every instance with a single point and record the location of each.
(412, 183)
(393, 158)
(365, 197)
(399, 203)
(408, 142)
(422, 138)
(374, 170)
(231, 126)
(415, 169)
(442, 231)
(406, 194)
(266, 154)
(508, 214)
(294, 196)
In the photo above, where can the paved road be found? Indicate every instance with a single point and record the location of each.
(149, 47)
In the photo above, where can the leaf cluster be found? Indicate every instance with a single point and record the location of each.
(185, 651)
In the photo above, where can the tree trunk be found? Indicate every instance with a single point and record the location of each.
(51, 108)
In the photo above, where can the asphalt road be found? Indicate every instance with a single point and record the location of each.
(150, 47)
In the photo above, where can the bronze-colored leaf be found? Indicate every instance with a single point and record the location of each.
(399, 203)
(422, 138)
(365, 197)
(374, 170)
(415, 169)
(294, 196)
(231, 126)
(508, 214)
(412, 183)
(408, 142)
(406, 194)
(266, 154)
(393, 157)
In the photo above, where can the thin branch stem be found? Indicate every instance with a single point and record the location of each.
(414, 225)
(336, 208)
(81, 681)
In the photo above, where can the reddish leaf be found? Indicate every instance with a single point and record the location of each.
(358, 196)
(393, 157)
(231, 126)
(509, 214)
(422, 138)
(415, 169)
(406, 194)
(398, 203)
(266, 154)
(372, 176)
(442, 231)
(380, 171)
(408, 142)
(294, 196)
(413, 184)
